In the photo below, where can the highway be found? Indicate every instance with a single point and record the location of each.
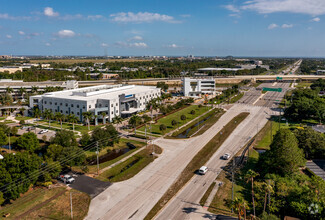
(134, 198)
(188, 198)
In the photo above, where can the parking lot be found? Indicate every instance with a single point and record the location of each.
(88, 185)
(317, 167)
(48, 134)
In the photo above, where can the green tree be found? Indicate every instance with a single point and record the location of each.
(53, 152)
(28, 142)
(162, 128)
(105, 136)
(73, 119)
(75, 154)
(183, 117)
(87, 116)
(174, 122)
(3, 138)
(85, 139)
(250, 175)
(284, 156)
(134, 121)
(192, 112)
(59, 117)
(103, 114)
(64, 138)
(1, 198)
(48, 115)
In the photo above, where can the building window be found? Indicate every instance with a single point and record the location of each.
(112, 112)
(72, 105)
(78, 113)
(116, 111)
(116, 104)
(77, 106)
(50, 103)
(95, 105)
(60, 103)
(84, 107)
(66, 112)
(55, 110)
(106, 105)
(72, 113)
(66, 104)
(45, 102)
(100, 105)
(61, 111)
(89, 106)
(56, 103)
(112, 105)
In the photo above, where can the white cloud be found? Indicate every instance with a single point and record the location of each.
(21, 33)
(311, 7)
(47, 44)
(9, 17)
(173, 46)
(139, 45)
(94, 17)
(66, 33)
(232, 8)
(48, 11)
(136, 38)
(287, 26)
(104, 45)
(317, 19)
(272, 26)
(128, 45)
(141, 17)
(8, 36)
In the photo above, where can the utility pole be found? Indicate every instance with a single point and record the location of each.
(97, 152)
(71, 205)
(269, 182)
(232, 180)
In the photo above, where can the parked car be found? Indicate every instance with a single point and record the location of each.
(43, 131)
(226, 156)
(66, 178)
(203, 170)
(30, 128)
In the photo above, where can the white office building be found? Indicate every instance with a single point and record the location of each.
(114, 100)
(197, 87)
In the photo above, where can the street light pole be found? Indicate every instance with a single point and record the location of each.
(71, 205)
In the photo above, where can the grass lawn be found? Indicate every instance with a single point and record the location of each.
(130, 167)
(206, 194)
(303, 85)
(237, 97)
(2, 118)
(19, 118)
(8, 122)
(77, 127)
(176, 116)
(59, 208)
(199, 160)
(204, 126)
(28, 201)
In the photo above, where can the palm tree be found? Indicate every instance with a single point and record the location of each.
(103, 114)
(268, 190)
(134, 121)
(236, 205)
(22, 109)
(22, 91)
(250, 175)
(88, 116)
(9, 90)
(34, 89)
(73, 119)
(48, 115)
(59, 117)
(37, 114)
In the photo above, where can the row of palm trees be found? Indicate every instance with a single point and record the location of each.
(71, 118)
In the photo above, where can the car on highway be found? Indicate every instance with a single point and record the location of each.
(226, 156)
(203, 170)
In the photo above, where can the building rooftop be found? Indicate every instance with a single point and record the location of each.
(99, 92)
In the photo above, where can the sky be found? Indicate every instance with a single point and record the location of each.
(285, 28)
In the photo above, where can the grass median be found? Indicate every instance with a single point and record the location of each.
(131, 166)
(199, 160)
(210, 119)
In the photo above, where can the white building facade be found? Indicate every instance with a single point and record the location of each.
(114, 100)
(197, 87)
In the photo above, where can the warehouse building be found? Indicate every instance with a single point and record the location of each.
(198, 86)
(114, 100)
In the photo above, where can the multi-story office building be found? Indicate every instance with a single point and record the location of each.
(197, 87)
(114, 100)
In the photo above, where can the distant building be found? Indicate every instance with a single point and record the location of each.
(114, 100)
(198, 87)
(320, 72)
(11, 69)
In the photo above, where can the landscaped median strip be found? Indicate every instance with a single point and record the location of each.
(199, 160)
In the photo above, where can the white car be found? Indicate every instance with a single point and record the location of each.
(226, 156)
(66, 178)
(203, 170)
(43, 131)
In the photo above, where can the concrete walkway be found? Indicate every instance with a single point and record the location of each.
(212, 193)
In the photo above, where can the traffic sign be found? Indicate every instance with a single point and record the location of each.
(272, 89)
